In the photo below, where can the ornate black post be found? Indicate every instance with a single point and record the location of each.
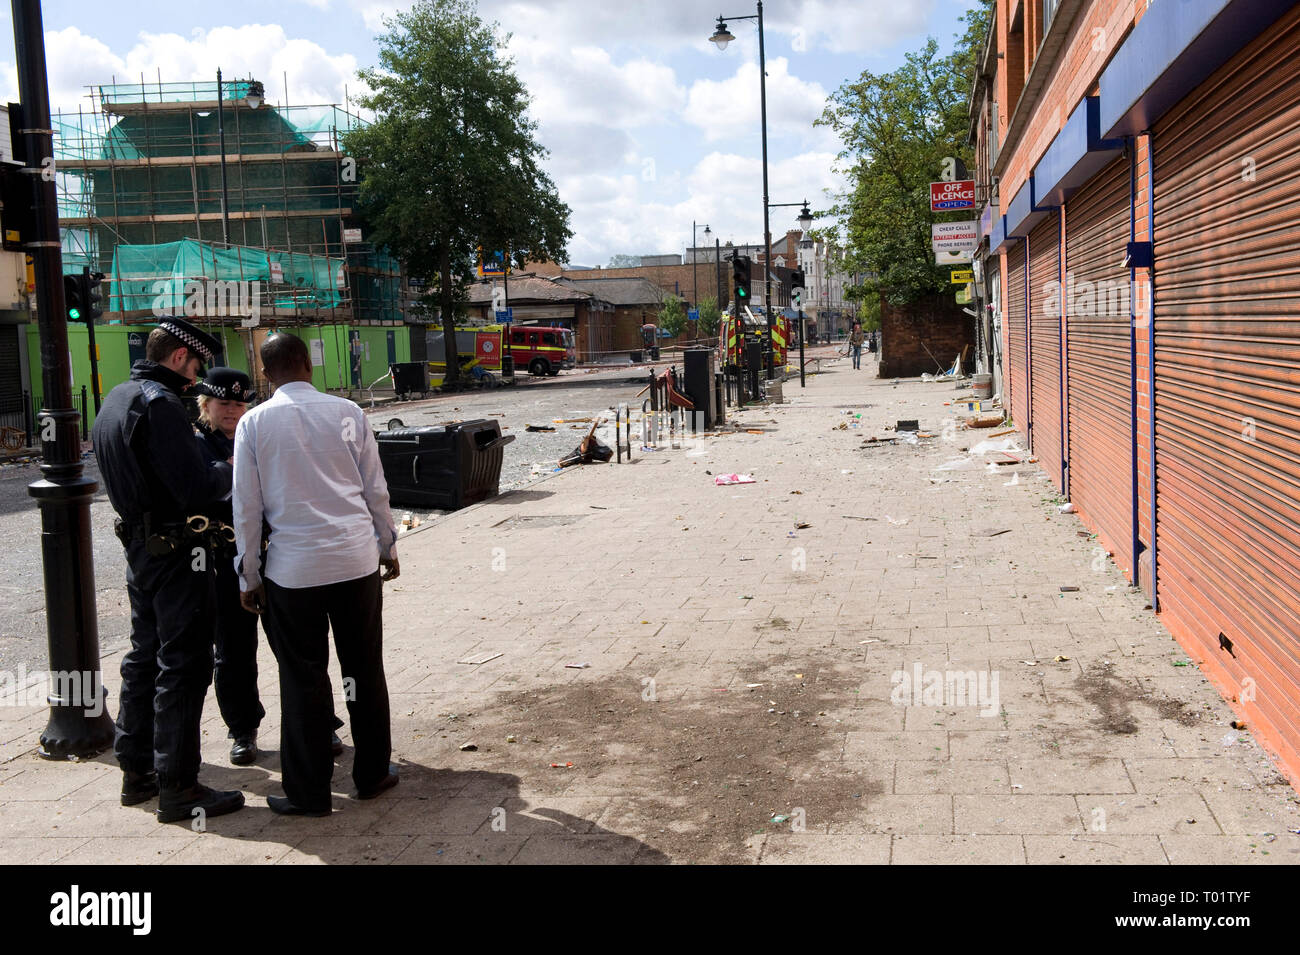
(78, 724)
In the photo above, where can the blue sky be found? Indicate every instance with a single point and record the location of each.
(649, 125)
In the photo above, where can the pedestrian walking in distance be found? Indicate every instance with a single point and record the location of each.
(157, 481)
(308, 464)
(224, 396)
(856, 338)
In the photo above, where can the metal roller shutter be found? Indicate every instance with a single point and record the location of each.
(1017, 338)
(1227, 390)
(1098, 370)
(1045, 347)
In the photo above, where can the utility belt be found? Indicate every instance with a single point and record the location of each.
(163, 538)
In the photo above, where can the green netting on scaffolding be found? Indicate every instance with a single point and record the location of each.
(163, 277)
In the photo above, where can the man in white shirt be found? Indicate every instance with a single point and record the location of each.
(308, 463)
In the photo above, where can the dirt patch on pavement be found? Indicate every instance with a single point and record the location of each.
(1105, 690)
(702, 773)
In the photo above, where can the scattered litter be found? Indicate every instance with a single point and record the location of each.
(576, 666)
(1009, 459)
(723, 480)
(539, 427)
(469, 747)
(908, 424)
(599, 507)
(1067, 589)
(561, 765)
(571, 420)
(1067, 508)
(1060, 659)
(987, 447)
(1229, 740)
(855, 517)
(754, 431)
(800, 525)
(995, 532)
(896, 523)
(796, 492)
(865, 642)
(984, 421)
(511, 739)
(1182, 663)
(1237, 724)
(1015, 479)
(1030, 663)
(842, 426)
(846, 470)
(484, 659)
(780, 819)
(753, 685)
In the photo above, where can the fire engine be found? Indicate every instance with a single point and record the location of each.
(754, 324)
(542, 350)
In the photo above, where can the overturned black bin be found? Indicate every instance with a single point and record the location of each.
(446, 466)
(410, 377)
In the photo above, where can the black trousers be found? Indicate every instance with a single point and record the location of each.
(165, 674)
(298, 621)
(235, 667)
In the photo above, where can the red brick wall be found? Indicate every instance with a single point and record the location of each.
(936, 323)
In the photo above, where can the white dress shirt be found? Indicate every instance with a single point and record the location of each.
(309, 463)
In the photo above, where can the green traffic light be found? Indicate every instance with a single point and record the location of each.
(74, 314)
(741, 292)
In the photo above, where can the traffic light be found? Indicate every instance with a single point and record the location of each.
(73, 298)
(796, 278)
(740, 277)
(92, 294)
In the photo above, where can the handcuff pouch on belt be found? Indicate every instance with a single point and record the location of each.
(165, 539)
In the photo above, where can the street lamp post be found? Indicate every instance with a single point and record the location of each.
(254, 99)
(78, 725)
(695, 282)
(721, 36)
(805, 221)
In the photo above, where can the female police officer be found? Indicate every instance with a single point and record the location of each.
(223, 398)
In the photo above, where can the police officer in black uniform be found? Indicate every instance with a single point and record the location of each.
(223, 396)
(156, 480)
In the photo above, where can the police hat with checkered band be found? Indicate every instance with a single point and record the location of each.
(198, 341)
(229, 383)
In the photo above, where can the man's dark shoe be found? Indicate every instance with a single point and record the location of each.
(386, 783)
(283, 806)
(336, 744)
(176, 805)
(244, 750)
(138, 787)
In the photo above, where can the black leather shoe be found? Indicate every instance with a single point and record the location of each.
(386, 783)
(336, 745)
(138, 787)
(176, 805)
(244, 750)
(282, 805)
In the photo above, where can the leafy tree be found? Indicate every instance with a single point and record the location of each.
(451, 162)
(672, 316)
(898, 130)
(624, 262)
(710, 317)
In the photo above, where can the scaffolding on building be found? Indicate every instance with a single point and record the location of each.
(139, 181)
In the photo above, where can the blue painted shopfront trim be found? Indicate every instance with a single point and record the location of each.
(1025, 211)
(1077, 154)
(1173, 49)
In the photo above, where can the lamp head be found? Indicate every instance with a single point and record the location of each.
(721, 36)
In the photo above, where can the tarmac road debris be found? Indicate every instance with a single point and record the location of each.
(469, 747)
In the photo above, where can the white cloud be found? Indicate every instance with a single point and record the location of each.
(731, 107)
(613, 214)
(263, 51)
(584, 85)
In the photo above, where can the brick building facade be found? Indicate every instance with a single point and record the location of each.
(1139, 276)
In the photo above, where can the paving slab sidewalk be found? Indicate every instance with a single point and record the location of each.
(688, 675)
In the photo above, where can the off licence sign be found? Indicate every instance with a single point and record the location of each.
(946, 196)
